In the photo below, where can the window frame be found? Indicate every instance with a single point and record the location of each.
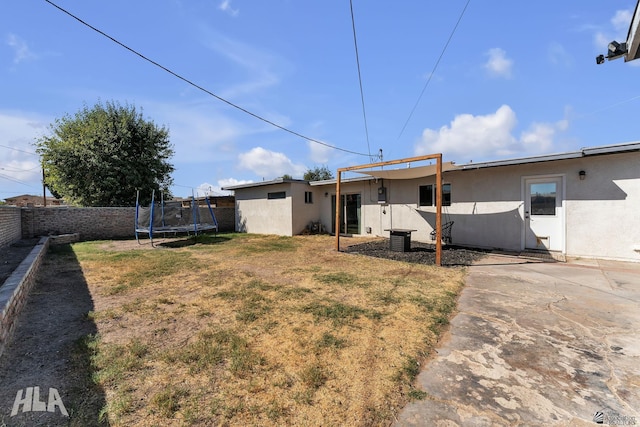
(308, 197)
(431, 189)
(275, 195)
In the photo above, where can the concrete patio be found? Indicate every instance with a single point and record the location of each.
(537, 343)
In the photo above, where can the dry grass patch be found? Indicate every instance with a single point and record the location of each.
(259, 330)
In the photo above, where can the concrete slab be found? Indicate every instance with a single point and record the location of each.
(537, 343)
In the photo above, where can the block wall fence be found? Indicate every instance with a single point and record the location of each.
(86, 223)
(15, 290)
(95, 223)
(10, 225)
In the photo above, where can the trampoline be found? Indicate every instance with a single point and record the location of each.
(173, 217)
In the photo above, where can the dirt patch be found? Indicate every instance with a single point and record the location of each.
(43, 352)
(12, 255)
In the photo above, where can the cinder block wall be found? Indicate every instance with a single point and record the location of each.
(90, 223)
(10, 225)
(226, 218)
(95, 223)
(15, 290)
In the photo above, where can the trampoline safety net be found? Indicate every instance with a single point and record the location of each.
(173, 217)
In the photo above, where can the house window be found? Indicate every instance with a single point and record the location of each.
(308, 197)
(446, 195)
(277, 195)
(543, 198)
(428, 195)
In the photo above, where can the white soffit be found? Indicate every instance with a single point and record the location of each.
(633, 37)
(408, 173)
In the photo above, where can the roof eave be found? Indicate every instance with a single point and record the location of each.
(262, 183)
(584, 152)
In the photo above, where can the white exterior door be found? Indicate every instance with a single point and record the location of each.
(543, 214)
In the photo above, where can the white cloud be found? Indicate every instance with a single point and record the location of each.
(601, 40)
(19, 165)
(225, 6)
(488, 137)
(539, 137)
(269, 164)
(498, 64)
(620, 25)
(229, 182)
(206, 189)
(621, 20)
(198, 132)
(318, 153)
(19, 131)
(21, 170)
(20, 48)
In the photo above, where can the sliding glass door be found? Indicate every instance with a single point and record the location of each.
(350, 213)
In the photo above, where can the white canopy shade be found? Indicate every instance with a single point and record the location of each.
(409, 173)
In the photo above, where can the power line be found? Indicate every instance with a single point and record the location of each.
(444, 49)
(17, 149)
(616, 104)
(184, 79)
(20, 170)
(364, 113)
(14, 180)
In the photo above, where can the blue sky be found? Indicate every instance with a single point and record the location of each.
(517, 79)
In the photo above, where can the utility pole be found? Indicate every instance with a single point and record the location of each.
(44, 190)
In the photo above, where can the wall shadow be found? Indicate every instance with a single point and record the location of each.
(50, 348)
(496, 226)
(490, 228)
(200, 239)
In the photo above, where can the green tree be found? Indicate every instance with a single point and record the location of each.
(319, 173)
(103, 154)
(286, 176)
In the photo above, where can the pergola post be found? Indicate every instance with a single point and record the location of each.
(439, 210)
(338, 225)
(437, 157)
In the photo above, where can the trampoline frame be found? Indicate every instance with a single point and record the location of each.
(195, 227)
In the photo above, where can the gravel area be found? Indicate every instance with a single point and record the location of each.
(421, 253)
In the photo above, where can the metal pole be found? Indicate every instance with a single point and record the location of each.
(153, 202)
(44, 190)
(162, 207)
(137, 213)
(194, 215)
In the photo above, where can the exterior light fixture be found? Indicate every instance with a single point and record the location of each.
(582, 175)
(615, 50)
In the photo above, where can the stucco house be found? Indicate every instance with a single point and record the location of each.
(583, 203)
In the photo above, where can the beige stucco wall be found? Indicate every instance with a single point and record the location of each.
(602, 212)
(285, 217)
(304, 213)
(256, 214)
